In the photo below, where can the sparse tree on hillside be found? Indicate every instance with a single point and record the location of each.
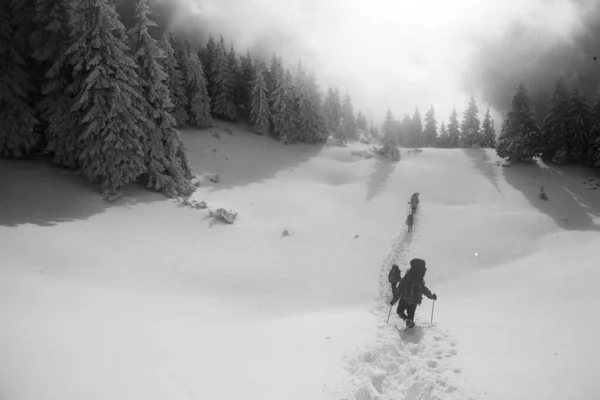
(49, 42)
(488, 133)
(555, 128)
(469, 127)
(259, 110)
(520, 137)
(453, 130)
(17, 118)
(107, 96)
(430, 131)
(164, 170)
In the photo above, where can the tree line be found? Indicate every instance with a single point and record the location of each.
(415, 131)
(108, 101)
(569, 133)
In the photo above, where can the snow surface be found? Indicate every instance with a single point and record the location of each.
(143, 299)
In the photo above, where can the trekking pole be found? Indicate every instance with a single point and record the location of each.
(390, 313)
(432, 305)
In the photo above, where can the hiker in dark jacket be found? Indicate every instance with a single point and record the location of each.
(394, 277)
(410, 292)
(414, 201)
(409, 222)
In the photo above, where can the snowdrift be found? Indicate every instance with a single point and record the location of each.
(144, 299)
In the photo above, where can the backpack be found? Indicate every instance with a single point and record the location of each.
(414, 292)
(409, 220)
(394, 274)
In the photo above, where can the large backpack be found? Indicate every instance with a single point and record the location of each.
(414, 292)
(394, 274)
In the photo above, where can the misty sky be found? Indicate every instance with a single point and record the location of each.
(394, 53)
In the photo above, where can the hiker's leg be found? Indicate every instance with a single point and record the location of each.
(402, 304)
(410, 310)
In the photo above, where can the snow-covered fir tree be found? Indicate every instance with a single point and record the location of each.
(281, 100)
(520, 137)
(453, 130)
(348, 120)
(107, 96)
(488, 132)
(333, 111)
(198, 93)
(308, 111)
(443, 138)
(361, 121)
(470, 125)
(594, 144)
(416, 130)
(578, 140)
(49, 42)
(389, 129)
(17, 118)
(430, 130)
(208, 58)
(245, 80)
(555, 128)
(259, 110)
(403, 130)
(223, 100)
(175, 81)
(165, 172)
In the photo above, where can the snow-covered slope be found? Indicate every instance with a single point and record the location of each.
(143, 299)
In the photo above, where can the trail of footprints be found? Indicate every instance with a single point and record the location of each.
(413, 365)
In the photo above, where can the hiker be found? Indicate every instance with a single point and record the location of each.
(409, 222)
(394, 277)
(410, 292)
(414, 201)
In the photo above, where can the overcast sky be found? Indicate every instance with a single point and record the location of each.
(393, 54)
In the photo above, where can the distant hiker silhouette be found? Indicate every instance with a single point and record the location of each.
(414, 202)
(410, 292)
(409, 222)
(394, 277)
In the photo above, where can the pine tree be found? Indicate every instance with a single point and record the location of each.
(332, 109)
(579, 127)
(430, 131)
(555, 128)
(389, 129)
(49, 42)
(488, 133)
(223, 100)
(416, 130)
(209, 57)
(107, 96)
(361, 121)
(594, 142)
(443, 139)
(245, 81)
(404, 130)
(198, 93)
(259, 111)
(17, 118)
(453, 130)
(175, 81)
(520, 137)
(469, 127)
(282, 104)
(165, 171)
(234, 69)
(309, 121)
(348, 120)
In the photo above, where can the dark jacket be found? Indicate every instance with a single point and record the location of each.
(400, 292)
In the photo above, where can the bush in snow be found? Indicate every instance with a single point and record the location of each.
(111, 195)
(543, 194)
(223, 215)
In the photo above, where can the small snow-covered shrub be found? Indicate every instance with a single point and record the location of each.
(111, 195)
(223, 215)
